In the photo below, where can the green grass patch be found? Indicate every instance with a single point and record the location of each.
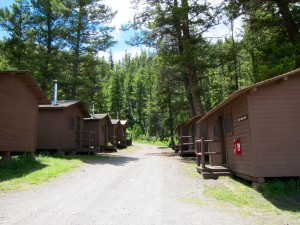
(129, 149)
(191, 166)
(193, 200)
(25, 172)
(153, 142)
(250, 201)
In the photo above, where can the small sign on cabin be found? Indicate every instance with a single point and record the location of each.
(242, 118)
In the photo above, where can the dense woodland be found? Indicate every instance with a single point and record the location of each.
(184, 74)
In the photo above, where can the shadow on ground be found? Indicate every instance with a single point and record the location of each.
(19, 169)
(102, 158)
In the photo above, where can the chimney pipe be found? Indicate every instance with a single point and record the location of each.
(93, 113)
(55, 93)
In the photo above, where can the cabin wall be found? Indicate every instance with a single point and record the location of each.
(93, 125)
(69, 133)
(18, 116)
(49, 130)
(275, 120)
(103, 137)
(240, 130)
(112, 134)
(242, 163)
(215, 160)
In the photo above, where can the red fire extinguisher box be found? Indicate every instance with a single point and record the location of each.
(237, 146)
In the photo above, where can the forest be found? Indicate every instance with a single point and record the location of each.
(183, 75)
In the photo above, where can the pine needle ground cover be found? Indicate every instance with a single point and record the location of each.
(25, 172)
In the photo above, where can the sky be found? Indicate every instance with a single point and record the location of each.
(125, 13)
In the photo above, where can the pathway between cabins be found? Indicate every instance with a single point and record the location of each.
(144, 187)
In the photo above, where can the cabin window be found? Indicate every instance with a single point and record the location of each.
(72, 123)
(216, 130)
(228, 124)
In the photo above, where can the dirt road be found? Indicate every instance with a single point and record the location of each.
(147, 186)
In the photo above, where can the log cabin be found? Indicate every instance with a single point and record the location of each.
(19, 99)
(99, 123)
(113, 132)
(61, 127)
(122, 134)
(188, 136)
(255, 131)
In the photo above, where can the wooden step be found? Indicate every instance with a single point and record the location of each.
(213, 172)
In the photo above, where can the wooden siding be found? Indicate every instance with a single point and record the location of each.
(18, 116)
(275, 111)
(69, 134)
(49, 131)
(215, 160)
(241, 130)
(94, 125)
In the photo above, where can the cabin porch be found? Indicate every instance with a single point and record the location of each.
(184, 147)
(209, 171)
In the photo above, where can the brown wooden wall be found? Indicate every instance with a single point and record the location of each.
(54, 130)
(241, 130)
(275, 120)
(93, 125)
(68, 134)
(49, 131)
(18, 116)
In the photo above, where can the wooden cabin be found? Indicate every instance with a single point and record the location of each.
(180, 133)
(99, 123)
(188, 137)
(61, 127)
(19, 99)
(122, 134)
(113, 132)
(255, 131)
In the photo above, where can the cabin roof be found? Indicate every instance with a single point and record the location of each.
(115, 121)
(193, 120)
(61, 104)
(252, 87)
(31, 84)
(124, 122)
(100, 117)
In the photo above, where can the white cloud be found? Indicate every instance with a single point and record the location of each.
(124, 11)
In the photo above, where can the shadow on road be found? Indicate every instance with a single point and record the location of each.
(111, 159)
(165, 154)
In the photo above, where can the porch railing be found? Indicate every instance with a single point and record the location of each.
(182, 143)
(200, 151)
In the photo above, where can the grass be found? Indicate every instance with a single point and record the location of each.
(129, 149)
(191, 166)
(272, 200)
(153, 142)
(25, 172)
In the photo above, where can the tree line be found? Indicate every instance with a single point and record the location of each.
(185, 75)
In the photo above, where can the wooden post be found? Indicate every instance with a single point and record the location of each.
(197, 151)
(202, 153)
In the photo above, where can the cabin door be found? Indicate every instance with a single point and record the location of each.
(222, 139)
(78, 130)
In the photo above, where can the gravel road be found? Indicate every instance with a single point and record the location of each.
(146, 186)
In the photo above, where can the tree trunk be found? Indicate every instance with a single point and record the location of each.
(189, 60)
(290, 24)
(170, 117)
